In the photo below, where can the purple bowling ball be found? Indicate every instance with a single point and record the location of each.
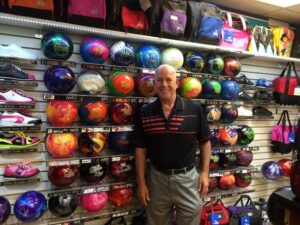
(94, 50)
(30, 206)
(4, 209)
(120, 142)
(121, 170)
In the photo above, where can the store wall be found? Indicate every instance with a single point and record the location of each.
(252, 67)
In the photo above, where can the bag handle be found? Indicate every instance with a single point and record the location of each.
(243, 22)
(229, 19)
(295, 72)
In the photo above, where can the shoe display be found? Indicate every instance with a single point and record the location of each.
(245, 96)
(17, 140)
(20, 170)
(261, 111)
(13, 72)
(263, 95)
(15, 96)
(245, 80)
(242, 111)
(16, 51)
(18, 119)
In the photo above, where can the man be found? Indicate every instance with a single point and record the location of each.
(167, 131)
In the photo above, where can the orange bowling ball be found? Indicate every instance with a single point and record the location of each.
(92, 112)
(61, 145)
(121, 196)
(61, 113)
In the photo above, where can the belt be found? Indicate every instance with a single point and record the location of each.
(175, 171)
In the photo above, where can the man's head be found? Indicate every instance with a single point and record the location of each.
(165, 82)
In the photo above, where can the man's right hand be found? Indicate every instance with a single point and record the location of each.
(143, 194)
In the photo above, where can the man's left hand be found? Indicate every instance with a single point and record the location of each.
(203, 184)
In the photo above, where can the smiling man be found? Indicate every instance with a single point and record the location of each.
(167, 132)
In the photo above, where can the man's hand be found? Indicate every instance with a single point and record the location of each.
(143, 194)
(203, 184)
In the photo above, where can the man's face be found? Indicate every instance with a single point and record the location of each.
(165, 83)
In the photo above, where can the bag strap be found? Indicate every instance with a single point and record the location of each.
(295, 72)
(284, 69)
(243, 22)
(281, 117)
(229, 19)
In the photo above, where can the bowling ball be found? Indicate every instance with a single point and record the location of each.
(213, 184)
(194, 61)
(227, 160)
(212, 112)
(90, 82)
(230, 90)
(55, 45)
(190, 87)
(271, 170)
(120, 83)
(63, 176)
(214, 161)
(59, 79)
(214, 64)
(4, 209)
(228, 136)
(232, 66)
(244, 158)
(214, 138)
(173, 57)
(61, 145)
(122, 53)
(30, 206)
(61, 113)
(94, 50)
(226, 182)
(243, 180)
(148, 56)
(121, 170)
(210, 89)
(93, 172)
(286, 166)
(120, 142)
(92, 112)
(121, 196)
(63, 205)
(121, 113)
(93, 202)
(145, 85)
(245, 135)
(92, 143)
(229, 113)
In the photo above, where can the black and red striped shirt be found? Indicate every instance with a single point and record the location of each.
(171, 143)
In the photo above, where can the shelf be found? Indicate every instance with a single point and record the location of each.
(234, 149)
(20, 128)
(87, 129)
(11, 181)
(17, 60)
(18, 150)
(227, 194)
(88, 159)
(41, 24)
(91, 188)
(18, 83)
(238, 170)
(16, 106)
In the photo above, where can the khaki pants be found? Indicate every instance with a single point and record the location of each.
(166, 191)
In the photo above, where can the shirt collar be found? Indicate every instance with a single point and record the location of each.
(178, 106)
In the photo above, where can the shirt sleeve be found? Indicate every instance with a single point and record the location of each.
(139, 137)
(204, 131)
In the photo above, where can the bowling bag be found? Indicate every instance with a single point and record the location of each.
(283, 40)
(140, 219)
(295, 178)
(285, 91)
(283, 134)
(87, 12)
(235, 33)
(245, 207)
(34, 8)
(218, 209)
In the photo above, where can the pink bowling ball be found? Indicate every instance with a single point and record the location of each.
(94, 202)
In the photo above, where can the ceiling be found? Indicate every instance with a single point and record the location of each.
(255, 8)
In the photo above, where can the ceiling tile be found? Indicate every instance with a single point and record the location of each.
(285, 15)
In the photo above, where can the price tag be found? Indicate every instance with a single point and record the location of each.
(297, 91)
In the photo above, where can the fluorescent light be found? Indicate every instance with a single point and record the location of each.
(282, 4)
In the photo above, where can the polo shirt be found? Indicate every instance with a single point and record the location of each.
(171, 143)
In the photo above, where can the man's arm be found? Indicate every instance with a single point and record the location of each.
(205, 152)
(140, 167)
